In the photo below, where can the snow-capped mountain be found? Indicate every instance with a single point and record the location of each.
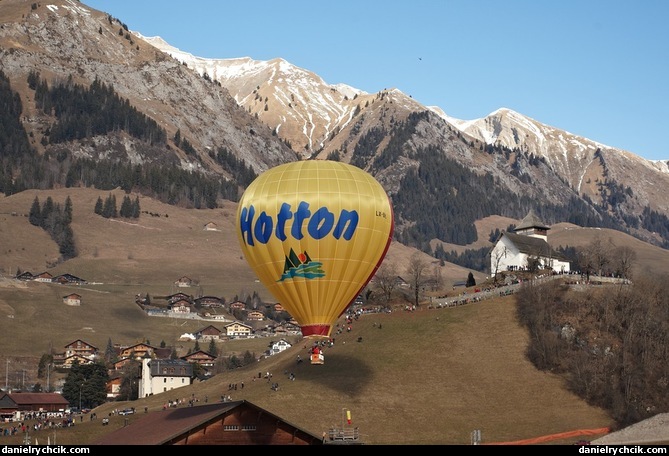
(308, 113)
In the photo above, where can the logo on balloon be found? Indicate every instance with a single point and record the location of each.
(301, 266)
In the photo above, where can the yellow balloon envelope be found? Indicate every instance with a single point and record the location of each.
(315, 232)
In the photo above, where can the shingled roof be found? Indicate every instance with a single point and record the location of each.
(531, 220)
(534, 246)
(209, 424)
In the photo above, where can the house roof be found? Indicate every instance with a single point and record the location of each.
(199, 354)
(162, 427)
(531, 220)
(37, 398)
(530, 245)
(83, 342)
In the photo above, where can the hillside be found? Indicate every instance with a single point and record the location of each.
(427, 377)
(123, 258)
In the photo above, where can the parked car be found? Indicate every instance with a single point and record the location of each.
(128, 411)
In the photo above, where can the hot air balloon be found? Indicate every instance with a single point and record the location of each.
(315, 232)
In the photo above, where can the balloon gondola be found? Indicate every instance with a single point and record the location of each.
(315, 232)
(317, 356)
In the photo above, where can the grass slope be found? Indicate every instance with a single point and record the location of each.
(425, 377)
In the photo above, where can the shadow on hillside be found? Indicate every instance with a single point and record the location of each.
(341, 373)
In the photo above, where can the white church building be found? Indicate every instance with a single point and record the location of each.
(162, 375)
(526, 249)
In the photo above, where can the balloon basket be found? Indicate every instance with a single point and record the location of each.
(317, 358)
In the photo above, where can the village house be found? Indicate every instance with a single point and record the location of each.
(113, 386)
(208, 333)
(137, 351)
(202, 358)
(219, 423)
(26, 276)
(238, 330)
(68, 279)
(43, 277)
(72, 299)
(181, 306)
(237, 305)
(13, 405)
(69, 361)
(210, 226)
(278, 346)
(184, 282)
(81, 348)
(178, 297)
(209, 302)
(255, 316)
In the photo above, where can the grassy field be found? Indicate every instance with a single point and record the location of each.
(424, 377)
(427, 377)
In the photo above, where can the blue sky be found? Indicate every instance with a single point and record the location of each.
(595, 68)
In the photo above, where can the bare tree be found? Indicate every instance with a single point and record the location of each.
(496, 259)
(416, 272)
(386, 280)
(437, 280)
(623, 260)
(594, 257)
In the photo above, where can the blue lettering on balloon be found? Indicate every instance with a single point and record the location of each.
(319, 225)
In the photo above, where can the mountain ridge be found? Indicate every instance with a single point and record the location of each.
(272, 113)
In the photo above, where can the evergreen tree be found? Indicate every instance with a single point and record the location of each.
(470, 280)
(66, 243)
(109, 208)
(109, 351)
(47, 212)
(67, 212)
(212, 348)
(126, 207)
(135, 208)
(98, 206)
(86, 384)
(35, 216)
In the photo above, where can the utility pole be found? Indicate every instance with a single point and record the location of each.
(7, 376)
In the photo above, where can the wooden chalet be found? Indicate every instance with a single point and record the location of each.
(201, 357)
(11, 403)
(223, 423)
(237, 329)
(178, 297)
(137, 351)
(43, 277)
(209, 301)
(72, 299)
(25, 276)
(209, 333)
(255, 316)
(182, 306)
(239, 305)
(80, 348)
(68, 279)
